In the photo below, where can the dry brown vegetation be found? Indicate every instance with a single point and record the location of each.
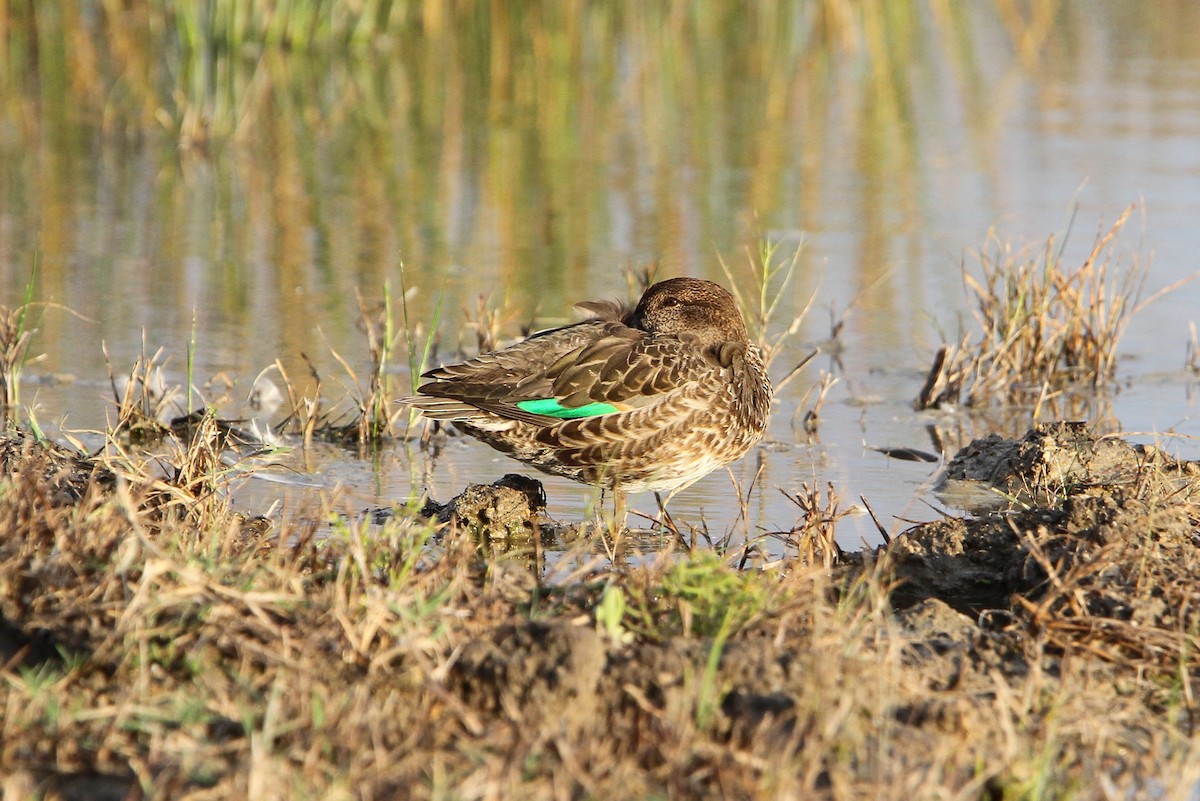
(154, 644)
(1045, 328)
(17, 328)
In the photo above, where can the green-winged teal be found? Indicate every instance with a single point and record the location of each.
(649, 398)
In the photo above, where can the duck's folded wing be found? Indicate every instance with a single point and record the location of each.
(618, 370)
(623, 371)
(495, 375)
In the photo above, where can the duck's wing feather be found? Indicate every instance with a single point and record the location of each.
(589, 369)
(629, 370)
(519, 371)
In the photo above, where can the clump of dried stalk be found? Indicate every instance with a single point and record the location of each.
(1043, 326)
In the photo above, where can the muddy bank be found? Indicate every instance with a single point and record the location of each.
(1045, 644)
(1053, 502)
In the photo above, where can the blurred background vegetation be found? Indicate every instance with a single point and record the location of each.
(537, 102)
(262, 160)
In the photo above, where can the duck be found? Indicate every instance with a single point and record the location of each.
(645, 397)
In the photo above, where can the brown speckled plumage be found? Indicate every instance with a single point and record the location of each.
(686, 389)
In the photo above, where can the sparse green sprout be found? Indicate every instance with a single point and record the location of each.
(771, 274)
(609, 614)
(418, 354)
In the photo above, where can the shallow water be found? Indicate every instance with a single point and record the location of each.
(528, 158)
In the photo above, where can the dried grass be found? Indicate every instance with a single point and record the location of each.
(374, 410)
(15, 336)
(145, 403)
(366, 415)
(174, 655)
(1043, 328)
(815, 537)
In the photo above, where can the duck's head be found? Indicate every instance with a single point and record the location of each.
(690, 306)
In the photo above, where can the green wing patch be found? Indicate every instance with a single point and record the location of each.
(550, 407)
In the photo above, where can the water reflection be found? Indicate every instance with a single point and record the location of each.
(241, 196)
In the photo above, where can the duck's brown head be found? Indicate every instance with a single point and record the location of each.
(690, 306)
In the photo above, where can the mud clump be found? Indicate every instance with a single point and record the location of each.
(1113, 511)
(1056, 460)
(508, 509)
(550, 671)
(969, 564)
(62, 473)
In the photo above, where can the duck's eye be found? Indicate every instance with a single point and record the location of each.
(669, 302)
